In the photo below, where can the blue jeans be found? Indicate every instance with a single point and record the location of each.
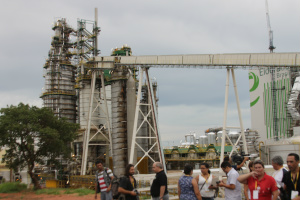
(106, 195)
(165, 197)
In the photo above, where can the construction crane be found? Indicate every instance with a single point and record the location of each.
(271, 47)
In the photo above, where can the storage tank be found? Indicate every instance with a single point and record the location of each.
(233, 135)
(219, 138)
(203, 140)
(211, 138)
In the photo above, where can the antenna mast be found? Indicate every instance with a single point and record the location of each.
(271, 47)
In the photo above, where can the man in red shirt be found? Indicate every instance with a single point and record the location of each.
(261, 185)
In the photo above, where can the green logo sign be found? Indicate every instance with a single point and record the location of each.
(254, 87)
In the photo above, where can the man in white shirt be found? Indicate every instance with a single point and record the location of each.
(277, 163)
(233, 189)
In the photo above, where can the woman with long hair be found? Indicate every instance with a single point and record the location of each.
(204, 181)
(187, 185)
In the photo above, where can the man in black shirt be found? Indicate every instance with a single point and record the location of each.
(128, 184)
(291, 179)
(159, 187)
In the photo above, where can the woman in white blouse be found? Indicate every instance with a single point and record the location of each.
(204, 181)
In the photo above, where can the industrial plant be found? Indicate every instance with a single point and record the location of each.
(103, 101)
(115, 102)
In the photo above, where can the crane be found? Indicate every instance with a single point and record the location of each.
(271, 47)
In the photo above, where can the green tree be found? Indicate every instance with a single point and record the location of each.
(33, 135)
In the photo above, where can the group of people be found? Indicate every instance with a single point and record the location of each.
(127, 187)
(282, 184)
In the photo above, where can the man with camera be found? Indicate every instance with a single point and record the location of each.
(240, 158)
(128, 184)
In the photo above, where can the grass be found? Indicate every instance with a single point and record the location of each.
(54, 191)
(16, 187)
(80, 191)
(57, 191)
(12, 187)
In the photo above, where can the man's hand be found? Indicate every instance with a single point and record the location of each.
(132, 193)
(108, 189)
(221, 184)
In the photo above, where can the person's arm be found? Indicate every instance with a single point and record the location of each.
(246, 191)
(229, 186)
(96, 186)
(243, 178)
(162, 191)
(212, 187)
(242, 163)
(123, 191)
(275, 194)
(179, 191)
(111, 176)
(196, 189)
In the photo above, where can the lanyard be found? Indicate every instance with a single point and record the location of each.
(255, 185)
(205, 179)
(296, 180)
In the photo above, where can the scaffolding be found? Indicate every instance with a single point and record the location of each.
(59, 93)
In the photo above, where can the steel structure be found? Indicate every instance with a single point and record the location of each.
(93, 82)
(59, 93)
(209, 61)
(66, 70)
(150, 118)
(228, 61)
(271, 46)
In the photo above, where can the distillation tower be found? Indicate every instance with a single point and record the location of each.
(59, 93)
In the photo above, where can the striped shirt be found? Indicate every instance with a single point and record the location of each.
(100, 178)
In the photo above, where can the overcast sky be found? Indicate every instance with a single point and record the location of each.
(189, 99)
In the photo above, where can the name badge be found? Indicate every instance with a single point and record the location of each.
(294, 194)
(255, 194)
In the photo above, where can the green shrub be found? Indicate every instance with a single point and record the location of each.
(12, 187)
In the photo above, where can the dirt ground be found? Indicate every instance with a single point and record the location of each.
(33, 196)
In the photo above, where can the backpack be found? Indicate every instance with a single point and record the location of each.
(106, 177)
(115, 187)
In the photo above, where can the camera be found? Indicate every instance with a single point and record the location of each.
(218, 182)
(237, 159)
(137, 192)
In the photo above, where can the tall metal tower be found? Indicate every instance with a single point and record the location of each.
(59, 92)
(271, 46)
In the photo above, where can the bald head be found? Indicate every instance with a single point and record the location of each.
(157, 167)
